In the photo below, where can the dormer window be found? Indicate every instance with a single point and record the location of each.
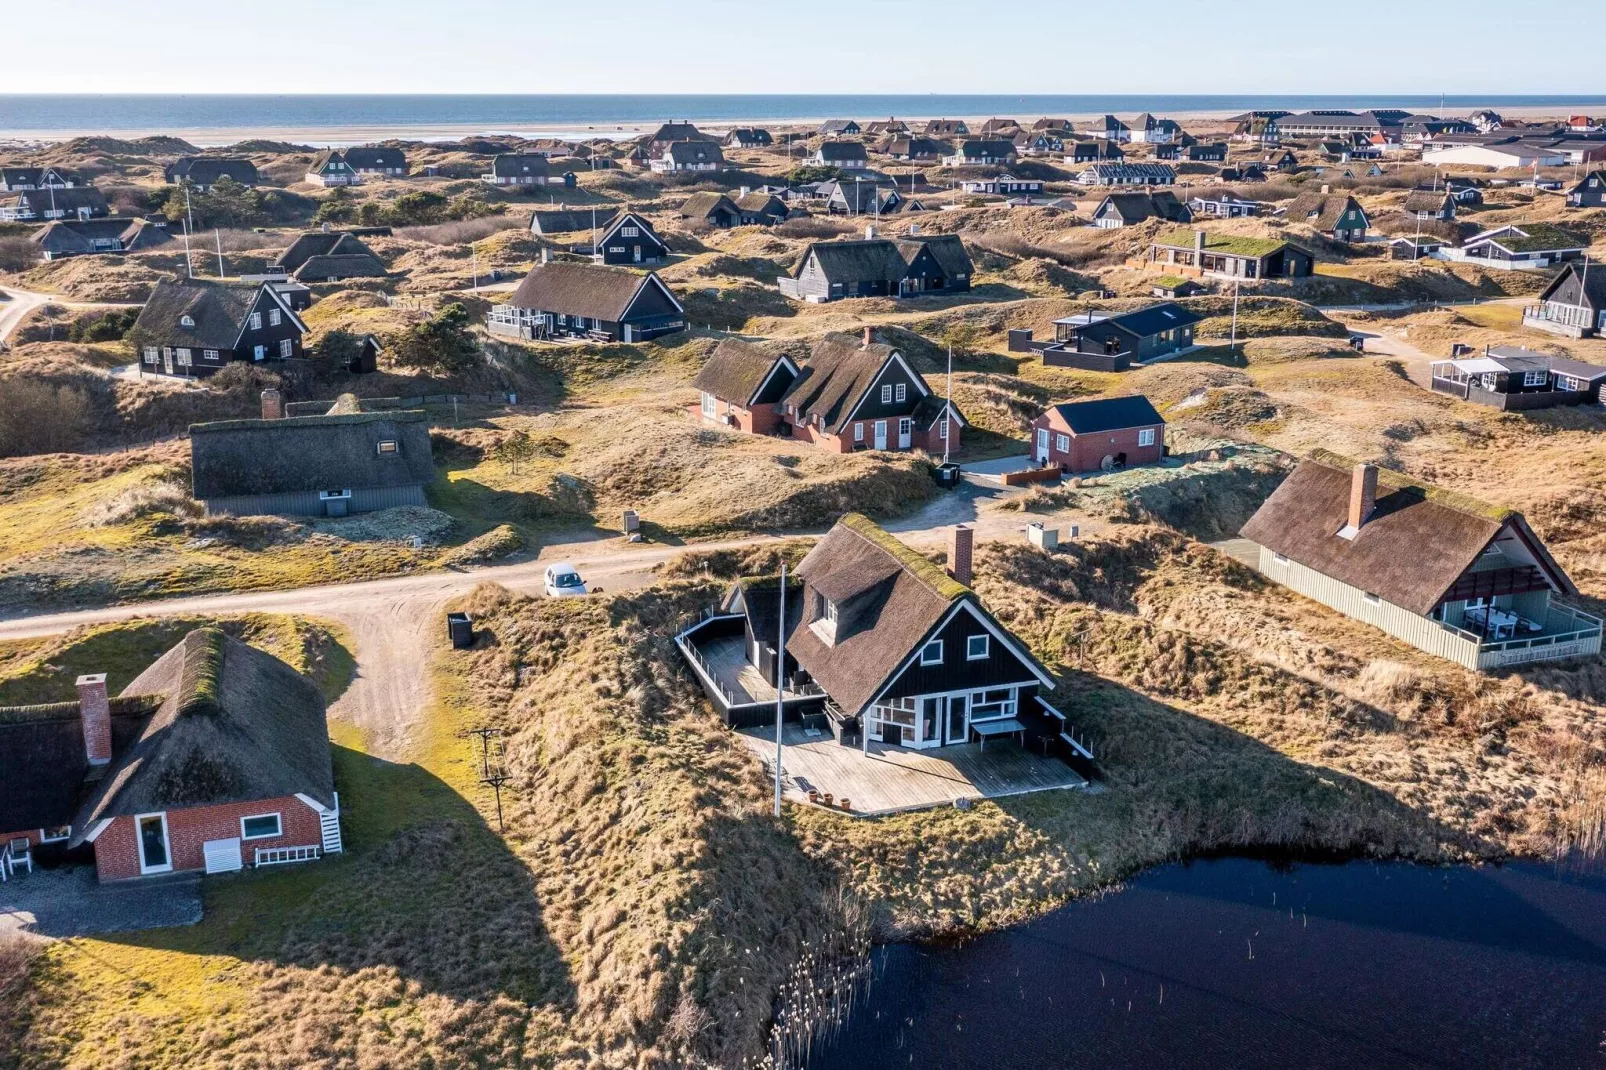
(186, 321)
(824, 623)
(387, 445)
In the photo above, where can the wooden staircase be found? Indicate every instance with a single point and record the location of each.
(329, 825)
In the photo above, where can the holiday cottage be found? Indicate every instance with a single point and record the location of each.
(1450, 575)
(193, 328)
(606, 304)
(854, 393)
(1099, 435)
(214, 758)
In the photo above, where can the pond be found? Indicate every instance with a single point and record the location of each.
(1244, 964)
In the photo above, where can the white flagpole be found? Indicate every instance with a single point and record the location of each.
(218, 234)
(780, 683)
(947, 414)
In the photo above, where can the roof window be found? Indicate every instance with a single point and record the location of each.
(388, 445)
(186, 321)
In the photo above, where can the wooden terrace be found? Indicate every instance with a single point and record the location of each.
(886, 779)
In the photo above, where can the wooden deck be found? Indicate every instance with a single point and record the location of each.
(890, 779)
(727, 658)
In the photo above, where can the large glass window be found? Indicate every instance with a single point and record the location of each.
(992, 704)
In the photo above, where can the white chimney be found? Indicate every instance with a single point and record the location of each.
(914, 228)
(869, 232)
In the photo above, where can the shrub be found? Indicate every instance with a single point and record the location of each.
(106, 327)
(441, 343)
(459, 233)
(38, 417)
(338, 349)
(142, 500)
(18, 254)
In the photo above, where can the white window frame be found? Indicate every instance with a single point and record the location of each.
(1535, 378)
(209, 354)
(858, 431)
(901, 393)
(65, 833)
(151, 355)
(1146, 436)
(630, 232)
(274, 319)
(1062, 443)
(970, 646)
(710, 406)
(139, 844)
(256, 321)
(278, 832)
(886, 393)
(942, 428)
(906, 427)
(182, 357)
(931, 653)
(287, 348)
(1371, 599)
(388, 446)
(1277, 558)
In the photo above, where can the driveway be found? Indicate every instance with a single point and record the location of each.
(21, 302)
(397, 624)
(69, 901)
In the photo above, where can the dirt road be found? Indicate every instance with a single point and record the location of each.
(396, 623)
(21, 302)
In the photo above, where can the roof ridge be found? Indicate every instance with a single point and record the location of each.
(909, 559)
(1449, 499)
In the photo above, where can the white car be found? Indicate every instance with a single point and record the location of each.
(563, 581)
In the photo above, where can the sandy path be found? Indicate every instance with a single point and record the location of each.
(396, 624)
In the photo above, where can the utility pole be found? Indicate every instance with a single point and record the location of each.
(189, 264)
(218, 234)
(780, 688)
(474, 265)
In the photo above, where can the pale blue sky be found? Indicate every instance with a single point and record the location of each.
(877, 46)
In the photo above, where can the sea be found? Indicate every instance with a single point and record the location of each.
(344, 119)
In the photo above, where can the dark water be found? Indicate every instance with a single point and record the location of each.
(1236, 964)
(44, 113)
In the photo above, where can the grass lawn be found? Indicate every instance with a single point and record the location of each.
(1493, 316)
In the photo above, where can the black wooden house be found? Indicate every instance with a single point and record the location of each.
(192, 328)
(566, 300)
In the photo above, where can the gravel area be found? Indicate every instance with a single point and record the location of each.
(69, 901)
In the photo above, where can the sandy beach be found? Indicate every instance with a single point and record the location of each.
(338, 136)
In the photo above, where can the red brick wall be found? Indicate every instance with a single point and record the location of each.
(117, 848)
(1087, 452)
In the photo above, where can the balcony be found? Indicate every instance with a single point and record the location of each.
(1564, 632)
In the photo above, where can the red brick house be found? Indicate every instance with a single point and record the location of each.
(214, 758)
(741, 386)
(1089, 436)
(860, 394)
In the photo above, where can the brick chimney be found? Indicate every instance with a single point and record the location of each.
(1326, 188)
(95, 711)
(869, 337)
(961, 548)
(1362, 495)
(272, 405)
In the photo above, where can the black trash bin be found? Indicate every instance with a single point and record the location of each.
(460, 629)
(948, 475)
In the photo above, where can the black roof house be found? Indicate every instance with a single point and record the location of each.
(561, 299)
(1126, 209)
(194, 327)
(377, 159)
(77, 237)
(1108, 414)
(327, 465)
(53, 202)
(323, 255)
(1099, 341)
(880, 267)
(570, 220)
(202, 172)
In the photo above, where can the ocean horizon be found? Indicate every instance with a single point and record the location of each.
(45, 116)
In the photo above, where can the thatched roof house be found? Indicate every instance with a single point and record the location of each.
(312, 465)
(322, 255)
(1452, 575)
(215, 756)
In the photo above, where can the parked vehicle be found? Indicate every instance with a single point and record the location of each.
(563, 581)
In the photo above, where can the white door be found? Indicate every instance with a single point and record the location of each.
(637, 256)
(1042, 445)
(881, 434)
(905, 433)
(167, 361)
(151, 842)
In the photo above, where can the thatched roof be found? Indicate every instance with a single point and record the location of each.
(218, 311)
(840, 152)
(1136, 207)
(45, 763)
(885, 259)
(235, 725)
(1322, 210)
(234, 458)
(340, 266)
(520, 165)
(889, 599)
(206, 170)
(567, 220)
(1410, 552)
(79, 235)
(702, 205)
(69, 199)
(693, 152)
(839, 370)
(589, 290)
(735, 371)
(375, 158)
(322, 243)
